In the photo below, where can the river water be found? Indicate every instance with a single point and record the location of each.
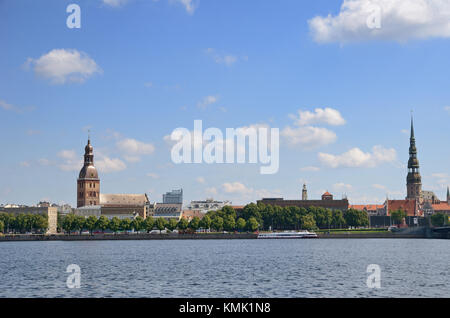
(227, 268)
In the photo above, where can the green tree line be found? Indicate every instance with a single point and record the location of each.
(253, 217)
(265, 217)
(439, 219)
(77, 224)
(72, 223)
(21, 223)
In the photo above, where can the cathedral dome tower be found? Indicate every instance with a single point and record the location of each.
(88, 183)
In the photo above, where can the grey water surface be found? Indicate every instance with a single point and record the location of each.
(227, 268)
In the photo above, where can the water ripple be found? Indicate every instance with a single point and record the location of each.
(226, 268)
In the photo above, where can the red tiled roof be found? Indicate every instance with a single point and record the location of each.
(409, 206)
(327, 193)
(443, 206)
(368, 207)
(190, 214)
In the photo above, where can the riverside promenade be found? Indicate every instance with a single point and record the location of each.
(410, 233)
(128, 237)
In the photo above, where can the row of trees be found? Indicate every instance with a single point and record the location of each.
(267, 217)
(251, 218)
(73, 223)
(398, 216)
(439, 219)
(20, 223)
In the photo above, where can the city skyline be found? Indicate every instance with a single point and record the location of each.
(342, 108)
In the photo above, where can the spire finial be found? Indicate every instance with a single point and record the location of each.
(412, 124)
(89, 136)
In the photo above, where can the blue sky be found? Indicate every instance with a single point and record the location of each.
(139, 69)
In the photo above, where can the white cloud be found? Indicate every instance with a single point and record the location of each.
(246, 130)
(133, 149)
(439, 175)
(310, 169)
(379, 187)
(71, 162)
(201, 180)
(132, 159)
(342, 187)
(235, 187)
(206, 101)
(242, 193)
(389, 193)
(9, 107)
(64, 65)
(355, 157)
(211, 191)
(442, 179)
(308, 137)
(44, 162)
(222, 58)
(25, 164)
(327, 115)
(5, 106)
(67, 154)
(153, 175)
(447, 109)
(106, 164)
(228, 142)
(399, 20)
(365, 199)
(31, 132)
(115, 3)
(189, 5)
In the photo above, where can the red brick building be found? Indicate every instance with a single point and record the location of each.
(410, 206)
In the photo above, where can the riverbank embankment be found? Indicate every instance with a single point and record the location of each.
(417, 233)
(127, 237)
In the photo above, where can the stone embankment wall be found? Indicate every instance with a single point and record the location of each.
(370, 236)
(125, 237)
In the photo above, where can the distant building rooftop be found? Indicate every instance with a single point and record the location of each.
(123, 199)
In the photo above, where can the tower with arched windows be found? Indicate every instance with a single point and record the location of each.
(88, 183)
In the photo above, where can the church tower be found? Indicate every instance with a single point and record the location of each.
(414, 180)
(448, 195)
(304, 193)
(88, 183)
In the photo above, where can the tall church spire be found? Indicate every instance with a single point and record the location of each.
(448, 195)
(414, 180)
